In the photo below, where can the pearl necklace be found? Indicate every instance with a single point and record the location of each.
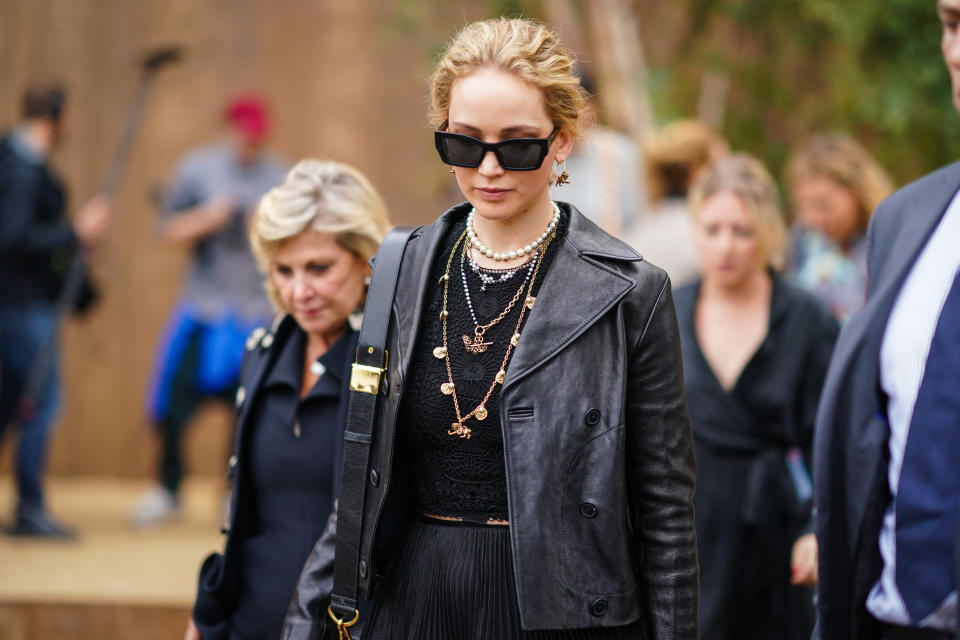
(510, 255)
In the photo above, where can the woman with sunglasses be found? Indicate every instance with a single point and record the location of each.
(531, 472)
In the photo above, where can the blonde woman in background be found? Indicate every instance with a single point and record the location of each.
(835, 185)
(532, 468)
(755, 353)
(313, 236)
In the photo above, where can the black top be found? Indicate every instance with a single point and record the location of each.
(36, 240)
(458, 476)
(749, 509)
(289, 467)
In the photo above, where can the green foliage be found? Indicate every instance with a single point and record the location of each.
(872, 68)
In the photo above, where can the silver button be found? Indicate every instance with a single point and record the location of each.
(317, 368)
(267, 341)
(254, 338)
(241, 396)
(296, 429)
(232, 462)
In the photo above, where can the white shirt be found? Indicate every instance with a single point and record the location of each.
(903, 359)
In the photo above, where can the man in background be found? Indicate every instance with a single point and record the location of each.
(214, 192)
(37, 244)
(887, 444)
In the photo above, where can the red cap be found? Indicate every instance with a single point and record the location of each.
(248, 115)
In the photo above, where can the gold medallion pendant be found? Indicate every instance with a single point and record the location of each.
(530, 301)
(446, 388)
(440, 353)
(476, 345)
(480, 413)
(459, 429)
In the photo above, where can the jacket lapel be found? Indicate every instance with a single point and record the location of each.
(577, 290)
(414, 281)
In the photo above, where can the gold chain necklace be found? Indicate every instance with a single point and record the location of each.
(476, 345)
(458, 428)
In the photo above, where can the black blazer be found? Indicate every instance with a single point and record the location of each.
(850, 442)
(219, 577)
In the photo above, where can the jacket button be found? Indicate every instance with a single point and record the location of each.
(588, 509)
(363, 569)
(599, 607)
(374, 478)
(592, 417)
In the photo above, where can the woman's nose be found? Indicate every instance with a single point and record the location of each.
(490, 166)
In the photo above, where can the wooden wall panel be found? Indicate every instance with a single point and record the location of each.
(343, 82)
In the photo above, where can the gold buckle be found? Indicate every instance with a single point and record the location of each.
(367, 379)
(341, 624)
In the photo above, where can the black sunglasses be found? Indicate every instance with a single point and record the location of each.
(514, 154)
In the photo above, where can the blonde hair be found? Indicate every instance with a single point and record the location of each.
(528, 49)
(675, 152)
(745, 177)
(840, 158)
(320, 195)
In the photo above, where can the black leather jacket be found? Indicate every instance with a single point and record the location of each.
(598, 445)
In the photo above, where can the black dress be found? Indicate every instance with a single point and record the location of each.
(751, 503)
(455, 579)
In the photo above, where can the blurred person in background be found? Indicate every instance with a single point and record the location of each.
(835, 185)
(674, 156)
(313, 236)
(608, 186)
(208, 207)
(37, 244)
(755, 353)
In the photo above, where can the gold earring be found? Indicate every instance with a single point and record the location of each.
(564, 177)
(452, 171)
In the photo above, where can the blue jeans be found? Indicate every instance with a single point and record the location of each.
(23, 332)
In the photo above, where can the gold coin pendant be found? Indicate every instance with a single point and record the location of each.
(481, 413)
(440, 352)
(501, 376)
(515, 339)
(446, 388)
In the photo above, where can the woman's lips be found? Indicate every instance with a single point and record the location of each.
(493, 194)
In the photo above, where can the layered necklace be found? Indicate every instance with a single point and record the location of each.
(477, 344)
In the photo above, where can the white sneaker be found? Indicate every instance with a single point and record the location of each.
(155, 507)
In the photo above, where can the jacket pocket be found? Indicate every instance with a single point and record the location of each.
(594, 540)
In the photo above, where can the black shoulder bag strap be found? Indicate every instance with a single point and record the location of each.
(367, 383)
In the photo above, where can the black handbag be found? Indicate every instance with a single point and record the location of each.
(368, 381)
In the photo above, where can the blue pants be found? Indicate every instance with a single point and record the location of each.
(23, 331)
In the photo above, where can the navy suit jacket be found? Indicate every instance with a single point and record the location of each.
(850, 441)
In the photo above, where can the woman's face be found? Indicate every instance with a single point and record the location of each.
(320, 283)
(493, 105)
(727, 239)
(824, 205)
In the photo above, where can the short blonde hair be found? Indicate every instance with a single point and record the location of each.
(320, 195)
(745, 177)
(530, 50)
(840, 158)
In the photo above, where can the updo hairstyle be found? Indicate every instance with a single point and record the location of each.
(528, 49)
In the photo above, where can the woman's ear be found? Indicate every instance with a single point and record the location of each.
(563, 146)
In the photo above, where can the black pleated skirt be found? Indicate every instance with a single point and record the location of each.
(455, 582)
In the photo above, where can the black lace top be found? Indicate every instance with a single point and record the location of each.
(456, 476)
